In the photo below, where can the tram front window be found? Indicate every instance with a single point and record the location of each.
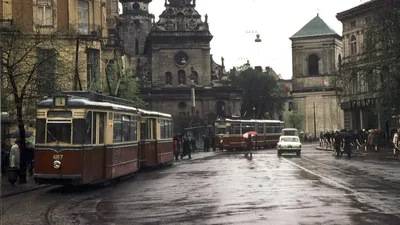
(59, 132)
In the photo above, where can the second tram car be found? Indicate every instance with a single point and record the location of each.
(228, 133)
(85, 138)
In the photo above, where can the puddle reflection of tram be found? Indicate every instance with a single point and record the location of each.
(229, 133)
(86, 138)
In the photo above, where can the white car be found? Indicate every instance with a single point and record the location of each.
(289, 144)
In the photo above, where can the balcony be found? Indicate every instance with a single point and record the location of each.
(6, 25)
(86, 31)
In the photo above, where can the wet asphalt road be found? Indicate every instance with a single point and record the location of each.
(227, 188)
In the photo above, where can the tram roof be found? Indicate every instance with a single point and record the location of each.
(252, 121)
(152, 113)
(79, 102)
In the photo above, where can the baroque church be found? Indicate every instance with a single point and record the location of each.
(173, 60)
(316, 55)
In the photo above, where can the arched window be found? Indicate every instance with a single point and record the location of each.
(168, 78)
(195, 77)
(313, 68)
(182, 77)
(220, 108)
(340, 62)
(353, 45)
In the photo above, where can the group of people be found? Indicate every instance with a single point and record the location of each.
(184, 146)
(11, 156)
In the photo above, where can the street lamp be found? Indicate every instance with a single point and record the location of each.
(192, 86)
(315, 122)
(254, 112)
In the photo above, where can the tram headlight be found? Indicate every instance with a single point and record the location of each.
(56, 164)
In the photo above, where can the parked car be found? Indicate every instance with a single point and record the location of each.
(289, 144)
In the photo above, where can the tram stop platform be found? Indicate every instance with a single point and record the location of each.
(8, 189)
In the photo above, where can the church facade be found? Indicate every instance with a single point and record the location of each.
(172, 57)
(316, 56)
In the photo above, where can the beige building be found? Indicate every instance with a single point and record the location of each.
(316, 53)
(359, 102)
(62, 26)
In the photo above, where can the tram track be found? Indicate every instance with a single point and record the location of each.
(393, 184)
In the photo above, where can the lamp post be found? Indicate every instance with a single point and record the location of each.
(254, 112)
(315, 123)
(192, 88)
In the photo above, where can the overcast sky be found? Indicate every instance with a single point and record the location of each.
(275, 21)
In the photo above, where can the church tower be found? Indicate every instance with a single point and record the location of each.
(183, 73)
(136, 26)
(316, 56)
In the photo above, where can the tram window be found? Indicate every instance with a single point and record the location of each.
(277, 129)
(117, 137)
(169, 128)
(269, 129)
(221, 131)
(132, 129)
(125, 128)
(88, 130)
(163, 129)
(260, 128)
(79, 126)
(154, 129)
(144, 130)
(247, 127)
(94, 126)
(236, 128)
(101, 128)
(59, 132)
(40, 130)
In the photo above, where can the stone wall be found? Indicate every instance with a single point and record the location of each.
(163, 61)
(328, 114)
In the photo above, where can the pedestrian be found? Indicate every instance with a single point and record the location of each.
(14, 169)
(186, 148)
(5, 155)
(396, 143)
(193, 144)
(337, 143)
(29, 157)
(206, 142)
(249, 146)
(177, 148)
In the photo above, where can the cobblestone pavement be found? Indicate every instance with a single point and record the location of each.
(227, 188)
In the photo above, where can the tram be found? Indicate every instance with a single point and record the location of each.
(228, 133)
(85, 138)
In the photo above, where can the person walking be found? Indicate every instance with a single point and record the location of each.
(249, 146)
(396, 143)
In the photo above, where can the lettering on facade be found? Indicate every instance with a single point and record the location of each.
(358, 104)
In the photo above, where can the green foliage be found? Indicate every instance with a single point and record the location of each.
(124, 84)
(296, 120)
(262, 95)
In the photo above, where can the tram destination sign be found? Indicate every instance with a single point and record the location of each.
(60, 101)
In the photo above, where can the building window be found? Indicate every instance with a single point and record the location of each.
(93, 69)
(220, 108)
(114, 6)
(353, 45)
(340, 63)
(353, 24)
(137, 50)
(110, 69)
(168, 78)
(46, 82)
(111, 37)
(195, 77)
(45, 12)
(83, 11)
(313, 68)
(182, 77)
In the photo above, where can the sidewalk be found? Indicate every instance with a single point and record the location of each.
(8, 189)
(382, 154)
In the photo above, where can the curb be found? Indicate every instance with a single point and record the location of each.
(23, 191)
(324, 149)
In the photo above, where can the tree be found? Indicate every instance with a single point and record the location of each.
(262, 95)
(296, 120)
(124, 84)
(31, 65)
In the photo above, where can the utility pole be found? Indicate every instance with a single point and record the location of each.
(315, 123)
(77, 80)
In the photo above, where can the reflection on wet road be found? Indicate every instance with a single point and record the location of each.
(227, 188)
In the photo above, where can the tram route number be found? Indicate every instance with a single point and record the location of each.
(58, 157)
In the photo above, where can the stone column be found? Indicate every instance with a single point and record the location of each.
(361, 119)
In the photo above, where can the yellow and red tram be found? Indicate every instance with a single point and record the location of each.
(228, 133)
(156, 146)
(85, 138)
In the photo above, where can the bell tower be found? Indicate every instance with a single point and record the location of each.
(136, 25)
